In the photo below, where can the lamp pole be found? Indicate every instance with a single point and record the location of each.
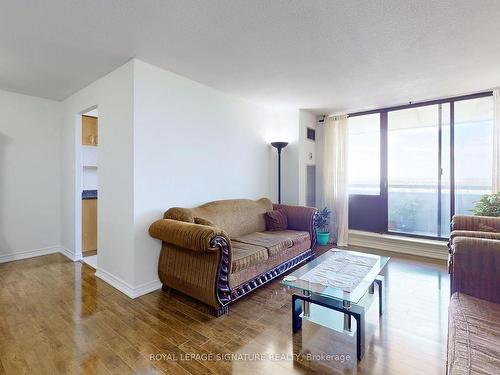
(279, 146)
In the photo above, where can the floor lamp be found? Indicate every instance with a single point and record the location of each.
(279, 146)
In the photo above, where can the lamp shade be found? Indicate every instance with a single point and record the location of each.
(279, 145)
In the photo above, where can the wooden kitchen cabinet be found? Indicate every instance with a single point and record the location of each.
(89, 131)
(89, 225)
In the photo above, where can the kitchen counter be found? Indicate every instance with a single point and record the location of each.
(89, 194)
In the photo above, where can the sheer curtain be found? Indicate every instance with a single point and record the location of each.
(496, 141)
(335, 193)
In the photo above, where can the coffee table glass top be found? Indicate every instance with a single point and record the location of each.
(320, 268)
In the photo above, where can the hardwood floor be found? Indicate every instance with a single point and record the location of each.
(56, 317)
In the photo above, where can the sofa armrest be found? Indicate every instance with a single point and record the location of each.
(474, 223)
(476, 267)
(191, 236)
(299, 217)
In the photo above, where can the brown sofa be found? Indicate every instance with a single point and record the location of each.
(221, 250)
(474, 312)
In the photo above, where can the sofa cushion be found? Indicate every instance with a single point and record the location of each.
(276, 220)
(243, 276)
(245, 255)
(269, 240)
(473, 336)
(297, 236)
(274, 241)
(235, 216)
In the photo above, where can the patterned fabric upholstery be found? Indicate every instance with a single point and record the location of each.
(246, 255)
(466, 222)
(486, 228)
(473, 336)
(180, 214)
(273, 241)
(238, 278)
(276, 220)
(476, 267)
(474, 312)
(201, 221)
(299, 217)
(297, 236)
(235, 216)
(192, 272)
(190, 236)
(190, 264)
(475, 234)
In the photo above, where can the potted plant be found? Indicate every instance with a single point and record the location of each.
(488, 205)
(322, 222)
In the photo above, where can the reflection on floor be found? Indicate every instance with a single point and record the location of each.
(91, 261)
(93, 328)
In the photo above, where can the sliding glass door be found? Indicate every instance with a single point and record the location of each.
(415, 170)
(434, 160)
(366, 189)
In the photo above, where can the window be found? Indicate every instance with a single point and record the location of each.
(411, 168)
(473, 152)
(364, 155)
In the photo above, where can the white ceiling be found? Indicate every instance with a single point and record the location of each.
(324, 55)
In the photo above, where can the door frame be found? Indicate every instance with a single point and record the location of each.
(78, 183)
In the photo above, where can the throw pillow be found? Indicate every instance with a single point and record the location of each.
(276, 220)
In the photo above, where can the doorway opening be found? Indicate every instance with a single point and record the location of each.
(88, 149)
(311, 186)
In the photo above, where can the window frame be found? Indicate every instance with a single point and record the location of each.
(383, 198)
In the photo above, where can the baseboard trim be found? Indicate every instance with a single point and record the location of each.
(126, 288)
(69, 254)
(147, 288)
(399, 244)
(29, 254)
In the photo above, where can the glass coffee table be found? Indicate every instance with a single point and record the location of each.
(339, 280)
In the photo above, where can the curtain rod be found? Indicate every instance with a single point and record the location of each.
(412, 104)
(423, 103)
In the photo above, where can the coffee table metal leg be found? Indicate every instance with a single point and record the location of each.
(360, 335)
(305, 304)
(296, 311)
(380, 282)
(347, 317)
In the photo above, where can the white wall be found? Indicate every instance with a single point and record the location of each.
(295, 157)
(320, 196)
(307, 151)
(193, 144)
(113, 94)
(29, 176)
(164, 141)
(288, 130)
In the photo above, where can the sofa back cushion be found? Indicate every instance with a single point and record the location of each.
(235, 216)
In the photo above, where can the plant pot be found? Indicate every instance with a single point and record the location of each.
(322, 237)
